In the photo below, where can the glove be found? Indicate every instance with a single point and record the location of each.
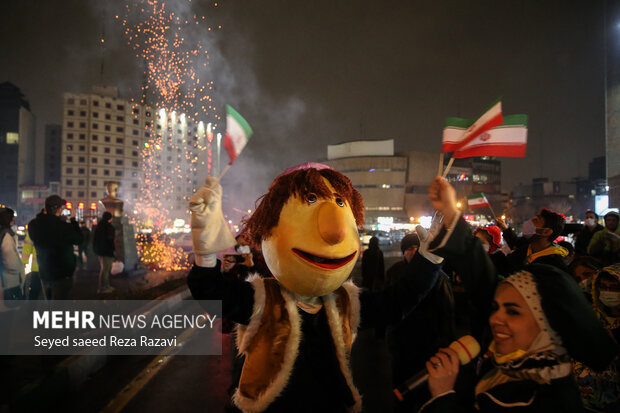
(425, 240)
(210, 232)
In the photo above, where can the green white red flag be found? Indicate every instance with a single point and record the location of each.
(508, 139)
(238, 132)
(489, 119)
(477, 200)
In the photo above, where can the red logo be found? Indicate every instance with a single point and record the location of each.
(485, 136)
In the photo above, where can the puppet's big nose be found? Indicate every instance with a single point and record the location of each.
(332, 225)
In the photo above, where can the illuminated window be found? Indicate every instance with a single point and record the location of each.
(12, 138)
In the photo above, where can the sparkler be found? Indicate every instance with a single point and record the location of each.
(174, 154)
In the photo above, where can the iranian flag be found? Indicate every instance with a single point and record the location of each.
(477, 200)
(238, 132)
(508, 139)
(489, 119)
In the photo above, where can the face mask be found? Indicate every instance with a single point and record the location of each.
(244, 249)
(585, 285)
(610, 299)
(529, 229)
(590, 222)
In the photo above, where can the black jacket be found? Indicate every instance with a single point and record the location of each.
(388, 305)
(54, 240)
(103, 239)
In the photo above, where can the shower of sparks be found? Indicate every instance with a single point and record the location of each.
(177, 153)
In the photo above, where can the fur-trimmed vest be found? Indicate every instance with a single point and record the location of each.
(271, 340)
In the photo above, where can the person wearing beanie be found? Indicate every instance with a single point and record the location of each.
(491, 239)
(600, 391)
(605, 244)
(418, 335)
(538, 318)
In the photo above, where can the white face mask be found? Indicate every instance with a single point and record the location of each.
(529, 229)
(610, 299)
(590, 222)
(244, 249)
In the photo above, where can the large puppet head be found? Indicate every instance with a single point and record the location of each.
(306, 226)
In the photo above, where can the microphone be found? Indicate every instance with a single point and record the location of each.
(467, 349)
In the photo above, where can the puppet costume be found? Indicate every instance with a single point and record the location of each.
(296, 330)
(271, 341)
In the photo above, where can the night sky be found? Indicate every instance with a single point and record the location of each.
(306, 74)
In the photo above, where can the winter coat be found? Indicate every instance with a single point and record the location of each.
(560, 395)
(522, 254)
(584, 237)
(12, 268)
(103, 239)
(373, 268)
(54, 240)
(605, 246)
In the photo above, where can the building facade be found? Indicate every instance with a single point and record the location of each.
(21, 153)
(53, 146)
(101, 138)
(376, 173)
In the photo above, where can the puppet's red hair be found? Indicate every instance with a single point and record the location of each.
(299, 183)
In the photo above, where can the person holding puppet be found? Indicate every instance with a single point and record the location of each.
(296, 329)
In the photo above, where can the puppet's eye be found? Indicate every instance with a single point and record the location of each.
(339, 202)
(311, 198)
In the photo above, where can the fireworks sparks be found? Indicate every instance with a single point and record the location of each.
(178, 145)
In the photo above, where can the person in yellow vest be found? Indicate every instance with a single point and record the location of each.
(32, 285)
(296, 329)
(29, 255)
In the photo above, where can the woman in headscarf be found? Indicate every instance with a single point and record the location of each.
(600, 391)
(12, 274)
(540, 320)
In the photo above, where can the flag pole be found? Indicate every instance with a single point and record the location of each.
(440, 168)
(223, 172)
(492, 212)
(445, 173)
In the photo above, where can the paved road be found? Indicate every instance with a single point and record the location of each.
(200, 383)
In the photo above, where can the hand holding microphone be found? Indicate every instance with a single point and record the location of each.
(442, 369)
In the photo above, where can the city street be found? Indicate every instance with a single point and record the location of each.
(200, 383)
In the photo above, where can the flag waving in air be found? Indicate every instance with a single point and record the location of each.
(489, 119)
(477, 200)
(238, 132)
(508, 139)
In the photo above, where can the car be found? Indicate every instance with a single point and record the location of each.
(384, 237)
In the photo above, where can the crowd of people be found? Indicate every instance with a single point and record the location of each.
(543, 304)
(53, 248)
(547, 282)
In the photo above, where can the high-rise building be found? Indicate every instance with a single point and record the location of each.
(21, 153)
(101, 137)
(53, 145)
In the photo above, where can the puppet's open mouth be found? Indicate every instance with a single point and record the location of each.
(328, 263)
